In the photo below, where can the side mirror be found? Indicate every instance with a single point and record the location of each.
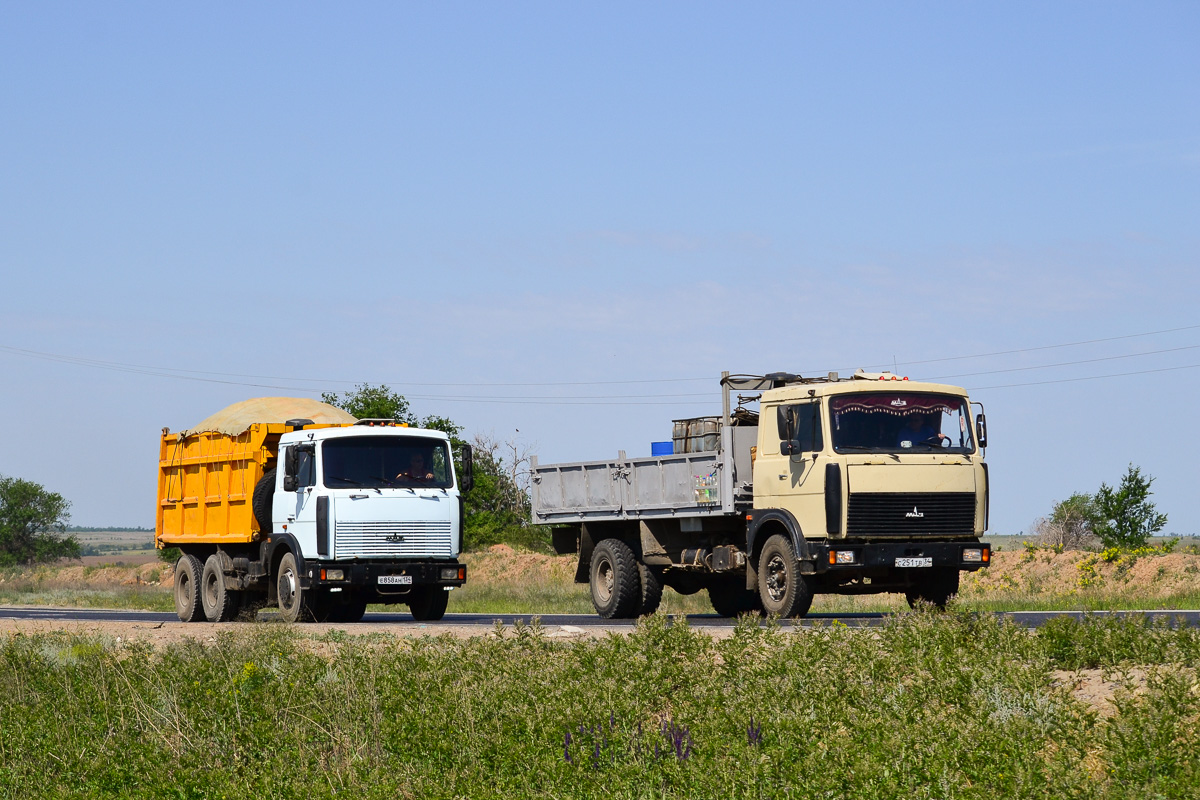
(291, 463)
(981, 430)
(790, 447)
(466, 481)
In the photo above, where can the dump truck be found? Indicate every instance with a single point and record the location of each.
(846, 485)
(295, 503)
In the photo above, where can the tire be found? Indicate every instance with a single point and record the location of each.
(652, 589)
(730, 599)
(351, 609)
(263, 500)
(292, 607)
(615, 581)
(318, 606)
(219, 604)
(428, 603)
(937, 589)
(783, 590)
(187, 588)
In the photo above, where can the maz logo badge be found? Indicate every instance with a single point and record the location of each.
(914, 514)
(393, 537)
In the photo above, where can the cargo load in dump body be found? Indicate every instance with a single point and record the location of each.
(293, 502)
(859, 485)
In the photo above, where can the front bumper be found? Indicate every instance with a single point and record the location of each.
(360, 576)
(884, 556)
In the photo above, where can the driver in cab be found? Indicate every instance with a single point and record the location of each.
(917, 430)
(417, 470)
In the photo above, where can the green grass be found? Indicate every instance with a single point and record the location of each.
(929, 706)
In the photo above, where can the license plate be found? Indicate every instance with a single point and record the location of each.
(395, 579)
(914, 562)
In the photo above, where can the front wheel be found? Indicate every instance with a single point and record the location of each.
(351, 609)
(287, 585)
(729, 599)
(784, 591)
(428, 604)
(937, 588)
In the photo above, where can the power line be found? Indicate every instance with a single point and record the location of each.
(180, 372)
(1087, 378)
(1046, 347)
(1064, 363)
(616, 399)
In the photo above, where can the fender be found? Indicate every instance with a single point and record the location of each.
(270, 548)
(760, 517)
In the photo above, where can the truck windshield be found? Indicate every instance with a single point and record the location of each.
(376, 462)
(900, 422)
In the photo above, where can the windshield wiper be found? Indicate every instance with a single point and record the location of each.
(860, 448)
(343, 480)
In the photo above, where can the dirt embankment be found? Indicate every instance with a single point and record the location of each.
(1074, 572)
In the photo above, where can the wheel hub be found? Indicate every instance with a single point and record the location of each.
(776, 578)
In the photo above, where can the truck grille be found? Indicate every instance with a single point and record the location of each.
(392, 540)
(911, 514)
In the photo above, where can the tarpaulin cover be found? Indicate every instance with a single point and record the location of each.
(900, 404)
(240, 416)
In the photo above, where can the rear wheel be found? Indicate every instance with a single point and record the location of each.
(937, 588)
(187, 588)
(428, 603)
(784, 591)
(651, 589)
(615, 580)
(220, 604)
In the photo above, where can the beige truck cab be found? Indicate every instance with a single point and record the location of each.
(871, 484)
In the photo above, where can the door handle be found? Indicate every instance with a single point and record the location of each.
(783, 476)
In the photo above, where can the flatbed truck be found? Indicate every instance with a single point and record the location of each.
(860, 485)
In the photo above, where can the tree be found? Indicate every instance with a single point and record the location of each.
(33, 523)
(1125, 517)
(497, 508)
(1070, 524)
(372, 402)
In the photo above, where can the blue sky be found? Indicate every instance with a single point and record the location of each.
(452, 197)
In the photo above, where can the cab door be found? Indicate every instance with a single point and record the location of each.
(790, 469)
(297, 506)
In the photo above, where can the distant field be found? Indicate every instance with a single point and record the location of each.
(124, 544)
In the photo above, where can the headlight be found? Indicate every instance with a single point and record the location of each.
(452, 573)
(333, 575)
(973, 555)
(841, 556)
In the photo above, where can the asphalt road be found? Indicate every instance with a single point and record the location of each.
(1029, 619)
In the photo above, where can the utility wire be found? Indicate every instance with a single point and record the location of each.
(1063, 363)
(621, 399)
(1086, 378)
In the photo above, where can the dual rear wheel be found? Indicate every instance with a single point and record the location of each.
(621, 586)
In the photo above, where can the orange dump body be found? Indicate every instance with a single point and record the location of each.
(206, 484)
